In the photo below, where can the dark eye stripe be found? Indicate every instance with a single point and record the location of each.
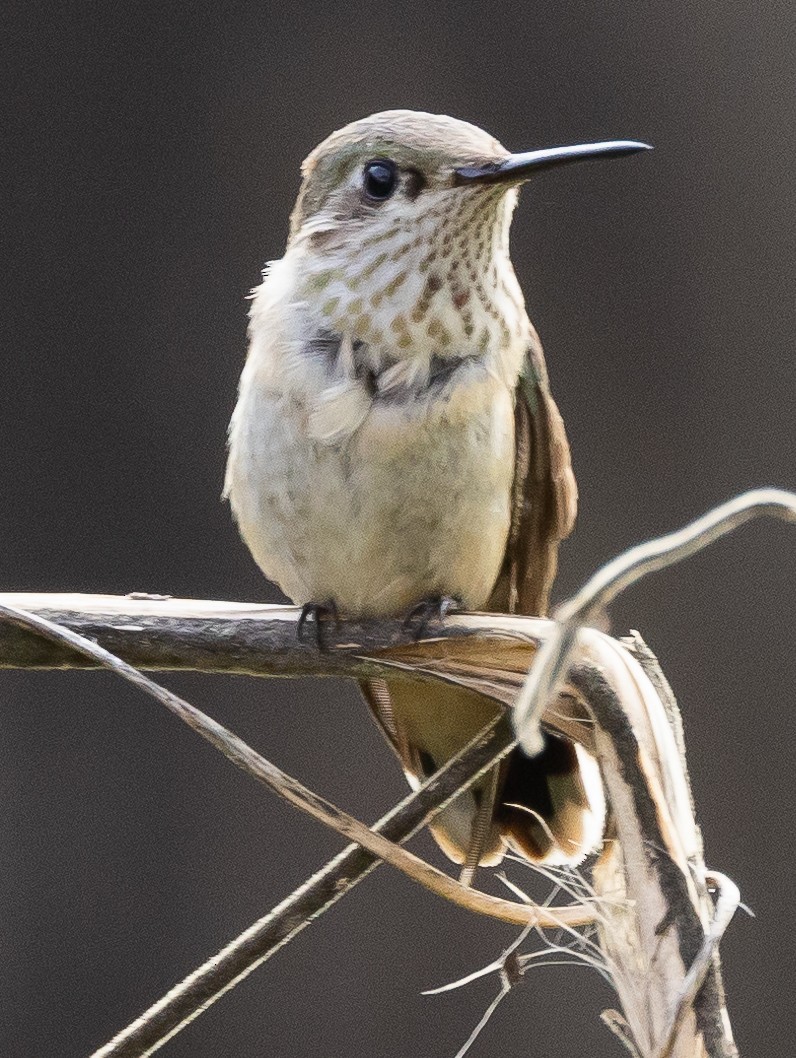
(414, 183)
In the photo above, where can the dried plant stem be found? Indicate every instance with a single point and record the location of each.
(664, 943)
(650, 799)
(727, 904)
(289, 788)
(262, 939)
(550, 666)
(248, 639)
(653, 932)
(256, 944)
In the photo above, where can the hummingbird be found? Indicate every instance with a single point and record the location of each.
(395, 444)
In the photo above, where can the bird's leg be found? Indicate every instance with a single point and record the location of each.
(433, 608)
(317, 612)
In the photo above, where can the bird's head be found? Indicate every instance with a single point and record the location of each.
(402, 224)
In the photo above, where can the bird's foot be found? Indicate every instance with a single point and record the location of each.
(318, 613)
(434, 608)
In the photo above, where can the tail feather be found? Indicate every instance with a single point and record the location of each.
(549, 808)
(552, 807)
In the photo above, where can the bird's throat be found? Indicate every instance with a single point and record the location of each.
(442, 288)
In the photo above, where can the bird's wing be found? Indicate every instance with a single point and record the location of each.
(544, 495)
(550, 807)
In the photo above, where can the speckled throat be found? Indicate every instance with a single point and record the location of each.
(436, 282)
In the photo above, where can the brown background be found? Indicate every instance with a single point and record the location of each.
(150, 166)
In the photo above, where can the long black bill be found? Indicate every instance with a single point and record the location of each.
(519, 167)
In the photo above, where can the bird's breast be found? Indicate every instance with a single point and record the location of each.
(410, 500)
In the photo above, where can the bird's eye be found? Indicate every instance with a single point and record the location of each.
(380, 179)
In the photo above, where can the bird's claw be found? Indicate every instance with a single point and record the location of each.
(434, 608)
(316, 612)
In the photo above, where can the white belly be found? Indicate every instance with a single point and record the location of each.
(415, 502)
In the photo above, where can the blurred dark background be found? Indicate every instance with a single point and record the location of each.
(150, 161)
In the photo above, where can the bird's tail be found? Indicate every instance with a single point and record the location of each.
(549, 808)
